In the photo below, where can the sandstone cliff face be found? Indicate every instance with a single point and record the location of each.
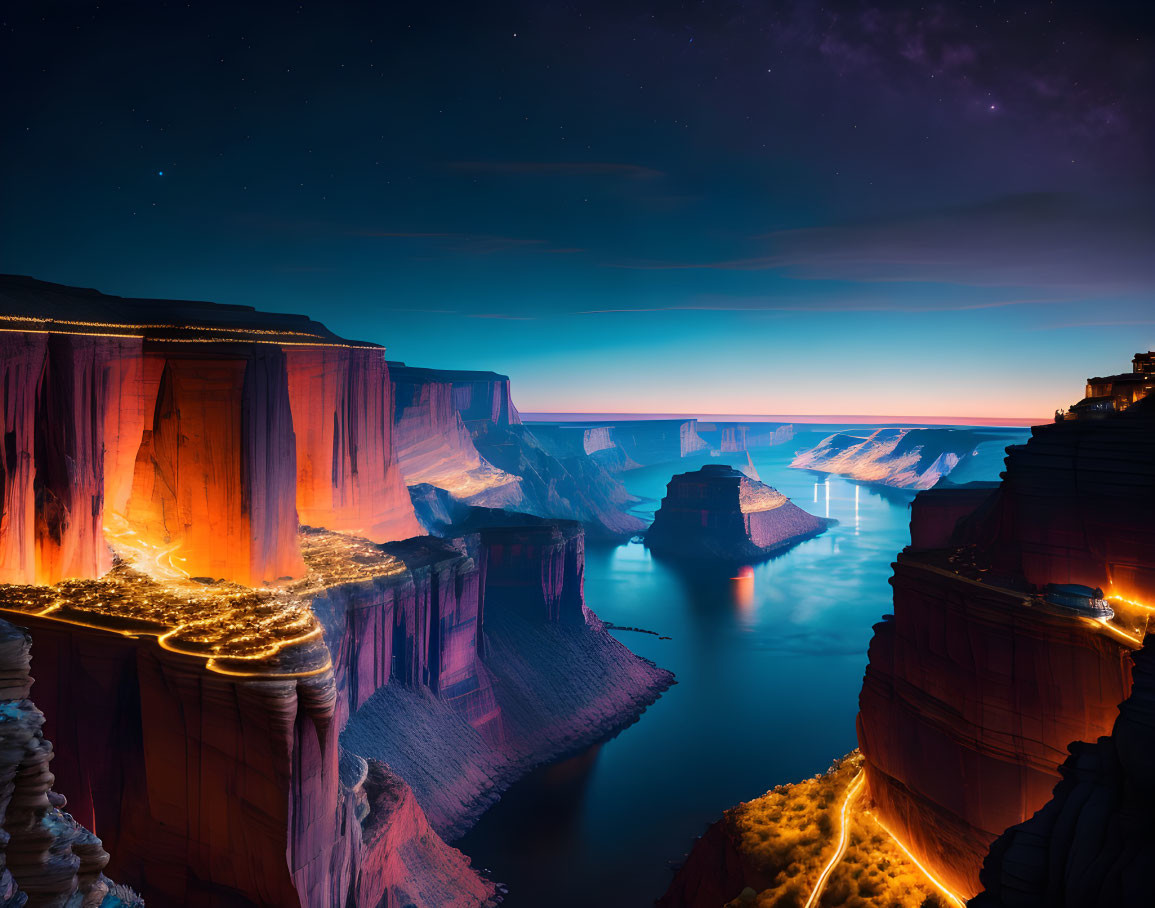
(976, 687)
(721, 514)
(347, 475)
(54, 399)
(1092, 844)
(46, 857)
(229, 738)
(902, 458)
(446, 439)
(435, 447)
(969, 701)
(1076, 505)
(215, 477)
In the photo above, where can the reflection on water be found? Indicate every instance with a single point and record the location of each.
(769, 660)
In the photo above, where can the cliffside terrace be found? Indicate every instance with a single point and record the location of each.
(267, 632)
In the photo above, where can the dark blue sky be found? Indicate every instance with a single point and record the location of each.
(722, 207)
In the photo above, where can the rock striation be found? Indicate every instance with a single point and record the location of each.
(720, 513)
(1091, 845)
(46, 857)
(348, 478)
(976, 685)
(251, 711)
(898, 457)
(177, 421)
(481, 454)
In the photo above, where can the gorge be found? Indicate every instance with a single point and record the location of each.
(264, 685)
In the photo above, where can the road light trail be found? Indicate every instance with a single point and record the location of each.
(843, 838)
(952, 897)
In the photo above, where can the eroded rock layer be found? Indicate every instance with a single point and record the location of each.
(977, 685)
(1092, 844)
(46, 857)
(481, 454)
(719, 513)
(347, 476)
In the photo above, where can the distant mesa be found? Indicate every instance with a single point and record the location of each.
(719, 513)
(902, 458)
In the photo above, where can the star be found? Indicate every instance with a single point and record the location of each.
(160, 173)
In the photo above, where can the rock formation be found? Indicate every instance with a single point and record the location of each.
(46, 857)
(976, 686)
(720, 513)
(1092, 844)
(347, 475)
(249, 713)
(482, 455)
(901, 458)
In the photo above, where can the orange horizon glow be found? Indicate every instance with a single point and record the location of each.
(815, 418)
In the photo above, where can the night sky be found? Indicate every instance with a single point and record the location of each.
(774, 208)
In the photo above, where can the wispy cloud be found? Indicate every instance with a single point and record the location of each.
(470, 243)
(559, 168)
(503, 316)
(1043, 240)
(835, 305)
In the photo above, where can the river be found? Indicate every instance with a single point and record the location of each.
(768, 666)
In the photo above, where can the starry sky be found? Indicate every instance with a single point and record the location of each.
(725, 207)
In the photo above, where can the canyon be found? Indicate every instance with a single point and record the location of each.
(265, 685)
(980, 689)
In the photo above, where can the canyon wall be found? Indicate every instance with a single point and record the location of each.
(898, 457)
(215, 476)
(976, 685)
(1091, 845)
(253, 713)
(347, 475)
(481, 454)
(970, 699)
(119, 418)
(46, 857)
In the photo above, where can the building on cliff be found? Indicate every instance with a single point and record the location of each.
(977, 684)
(720, 513)
(1115, 393)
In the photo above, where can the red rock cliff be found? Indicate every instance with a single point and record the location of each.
(348, 478)
(975, 687)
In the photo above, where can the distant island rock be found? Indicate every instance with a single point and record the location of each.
(719, 513)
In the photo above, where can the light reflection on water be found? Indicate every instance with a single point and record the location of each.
(769, 661)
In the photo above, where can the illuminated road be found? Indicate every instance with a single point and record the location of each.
(852, 791)
(951, 897)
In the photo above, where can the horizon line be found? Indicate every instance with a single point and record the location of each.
(818, 418)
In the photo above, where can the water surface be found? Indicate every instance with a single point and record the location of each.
(768, 665)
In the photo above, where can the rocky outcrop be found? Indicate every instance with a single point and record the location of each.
(976, 686)
(901, 458)
(720, 513)
(1091, 845)
(1076, 505)
(175, 422)
(497, 462)
(433, 445)
(46, 857)
(247, 713)
(970, 698)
